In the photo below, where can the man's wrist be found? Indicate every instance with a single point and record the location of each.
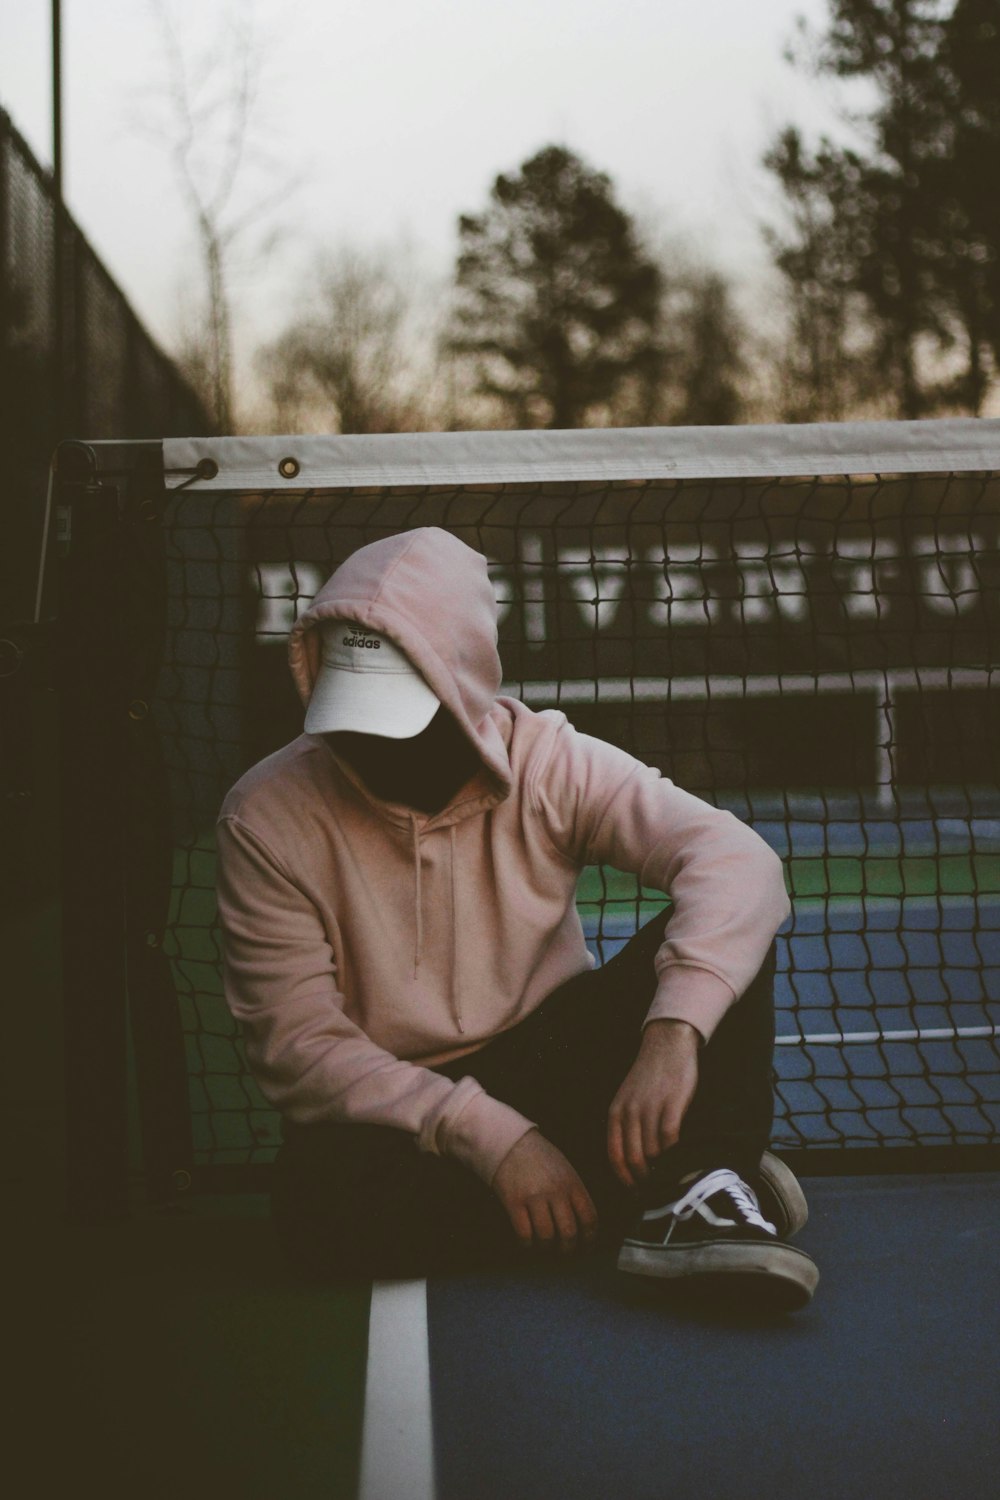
(673, 1029)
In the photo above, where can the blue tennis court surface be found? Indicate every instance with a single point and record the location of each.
(887, 1019)
(847, 965)
(568, 1381)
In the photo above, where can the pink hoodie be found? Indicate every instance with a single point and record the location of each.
(365, 942)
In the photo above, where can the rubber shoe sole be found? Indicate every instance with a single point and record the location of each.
(773, 1275)
(782, 1200)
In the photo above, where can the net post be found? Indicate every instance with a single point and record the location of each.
(91, 755)
(6, 231)
(157, 1038)
(115, 832)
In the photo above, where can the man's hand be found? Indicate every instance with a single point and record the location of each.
(646, 1113)
(545, 1199)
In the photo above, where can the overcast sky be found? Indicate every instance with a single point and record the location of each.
(396, 115)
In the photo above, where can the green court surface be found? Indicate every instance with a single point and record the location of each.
(194, 871)
(910, 875)
(832, 875)
(185, 1361)
(193, 902)
(890, 902)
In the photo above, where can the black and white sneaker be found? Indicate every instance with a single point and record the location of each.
(716, 1229)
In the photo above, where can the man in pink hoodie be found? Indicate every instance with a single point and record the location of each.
(403, 951)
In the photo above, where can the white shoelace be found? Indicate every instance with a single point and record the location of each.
(722, 1181)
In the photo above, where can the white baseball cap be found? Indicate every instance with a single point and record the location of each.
(367, 684)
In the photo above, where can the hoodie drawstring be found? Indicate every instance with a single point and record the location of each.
(456, 1001)
(416, 895)
(454, 993)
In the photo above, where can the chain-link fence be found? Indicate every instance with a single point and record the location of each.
(74, 362)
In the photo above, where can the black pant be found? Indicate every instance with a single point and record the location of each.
(361, 1199)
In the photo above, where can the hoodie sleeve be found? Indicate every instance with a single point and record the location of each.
(602, 806)
(308, 1058)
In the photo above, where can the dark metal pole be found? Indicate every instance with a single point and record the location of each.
(92, 677)
(57, 131)
(59, 382)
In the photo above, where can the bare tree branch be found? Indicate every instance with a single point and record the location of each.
(210, 102)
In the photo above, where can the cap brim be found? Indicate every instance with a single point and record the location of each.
(395, 705)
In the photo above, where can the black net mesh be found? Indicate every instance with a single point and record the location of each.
(813, 654)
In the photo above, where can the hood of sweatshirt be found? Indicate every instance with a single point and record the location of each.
(430, 594)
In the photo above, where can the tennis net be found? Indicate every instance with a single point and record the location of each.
(798, 624)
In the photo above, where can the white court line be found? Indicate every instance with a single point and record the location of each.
(931, 1034)
(754, 685)
(397, 1447)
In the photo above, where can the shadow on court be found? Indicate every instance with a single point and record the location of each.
(173, 1357)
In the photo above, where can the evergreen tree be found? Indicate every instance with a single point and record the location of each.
(558, 306)
(710, 356)
(866, 223)
(829, 348)
(965, 182)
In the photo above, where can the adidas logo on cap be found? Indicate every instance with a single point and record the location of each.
(367, 684)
